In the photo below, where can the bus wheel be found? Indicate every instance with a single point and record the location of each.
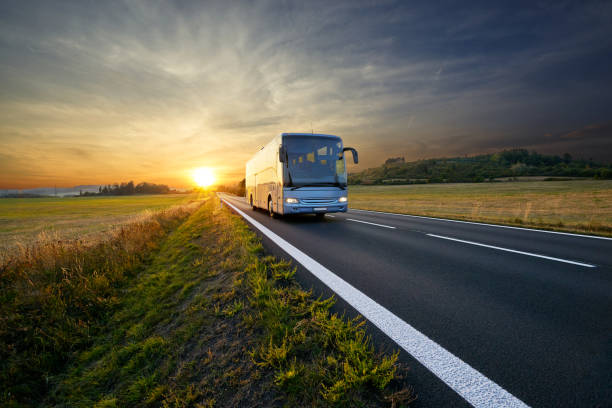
(270, 209)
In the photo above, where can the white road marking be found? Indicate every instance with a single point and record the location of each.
(488, 225)
(329, 215)
(371, 223)
(473, 386)
(514, 251)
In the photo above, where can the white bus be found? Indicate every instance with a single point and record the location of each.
(299, 173)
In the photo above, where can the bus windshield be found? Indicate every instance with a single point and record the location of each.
(315, 161)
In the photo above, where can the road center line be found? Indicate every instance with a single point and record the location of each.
(514, 251)
(473, 386)
(371, 223)
(485, 224)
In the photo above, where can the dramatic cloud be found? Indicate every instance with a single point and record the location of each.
(96, 92)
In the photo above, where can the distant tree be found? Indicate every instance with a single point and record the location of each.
(236, 189)
(507, 163)
(150, 188)
(395, 160)
(242, 187)
(130, 189)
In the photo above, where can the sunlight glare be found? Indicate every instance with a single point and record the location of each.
(203, 177)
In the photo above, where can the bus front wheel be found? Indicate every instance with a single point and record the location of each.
(270, 208)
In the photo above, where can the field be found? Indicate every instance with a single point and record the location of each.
(577, 205)
(22, 220)
(180, 307)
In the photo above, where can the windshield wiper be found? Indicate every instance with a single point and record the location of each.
(319, 185)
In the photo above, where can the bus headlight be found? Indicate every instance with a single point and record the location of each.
(291, 200)
(342, 199)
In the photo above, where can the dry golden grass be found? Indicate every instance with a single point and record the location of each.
(26, 221)
(578, 205)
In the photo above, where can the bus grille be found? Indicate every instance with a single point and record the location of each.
(318, 201)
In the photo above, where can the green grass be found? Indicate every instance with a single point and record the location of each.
(583, 206)
(22, 220)
(54, 298)
(208, 319)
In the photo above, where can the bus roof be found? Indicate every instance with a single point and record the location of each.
(310, 134)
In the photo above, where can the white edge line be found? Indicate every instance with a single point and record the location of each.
(469, 383)
(371, 223)
(485, 224)
(513, 250)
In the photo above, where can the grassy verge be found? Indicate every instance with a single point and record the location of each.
(54, 297)
(212, 321)
(583, 206)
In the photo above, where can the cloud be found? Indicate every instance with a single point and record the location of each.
(150, 89)
(590, 132)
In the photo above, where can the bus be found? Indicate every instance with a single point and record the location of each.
(299, 173)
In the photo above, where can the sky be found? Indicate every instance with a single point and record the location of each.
(100, 92)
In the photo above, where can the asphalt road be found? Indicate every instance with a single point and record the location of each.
(530, 310)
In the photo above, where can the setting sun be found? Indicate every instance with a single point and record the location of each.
(203, 177)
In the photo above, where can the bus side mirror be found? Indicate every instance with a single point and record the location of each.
(355, 156)
(282, 154)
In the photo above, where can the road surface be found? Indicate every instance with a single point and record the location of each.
(485, 312)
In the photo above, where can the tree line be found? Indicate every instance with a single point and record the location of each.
(486, 167)
(236, 189)
(130, 188)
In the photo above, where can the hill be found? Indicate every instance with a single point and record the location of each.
(485, 167)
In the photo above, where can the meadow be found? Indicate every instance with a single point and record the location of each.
(23, 220)
(180, 307)
(583, 206)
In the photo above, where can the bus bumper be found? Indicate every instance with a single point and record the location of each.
(308, 209)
